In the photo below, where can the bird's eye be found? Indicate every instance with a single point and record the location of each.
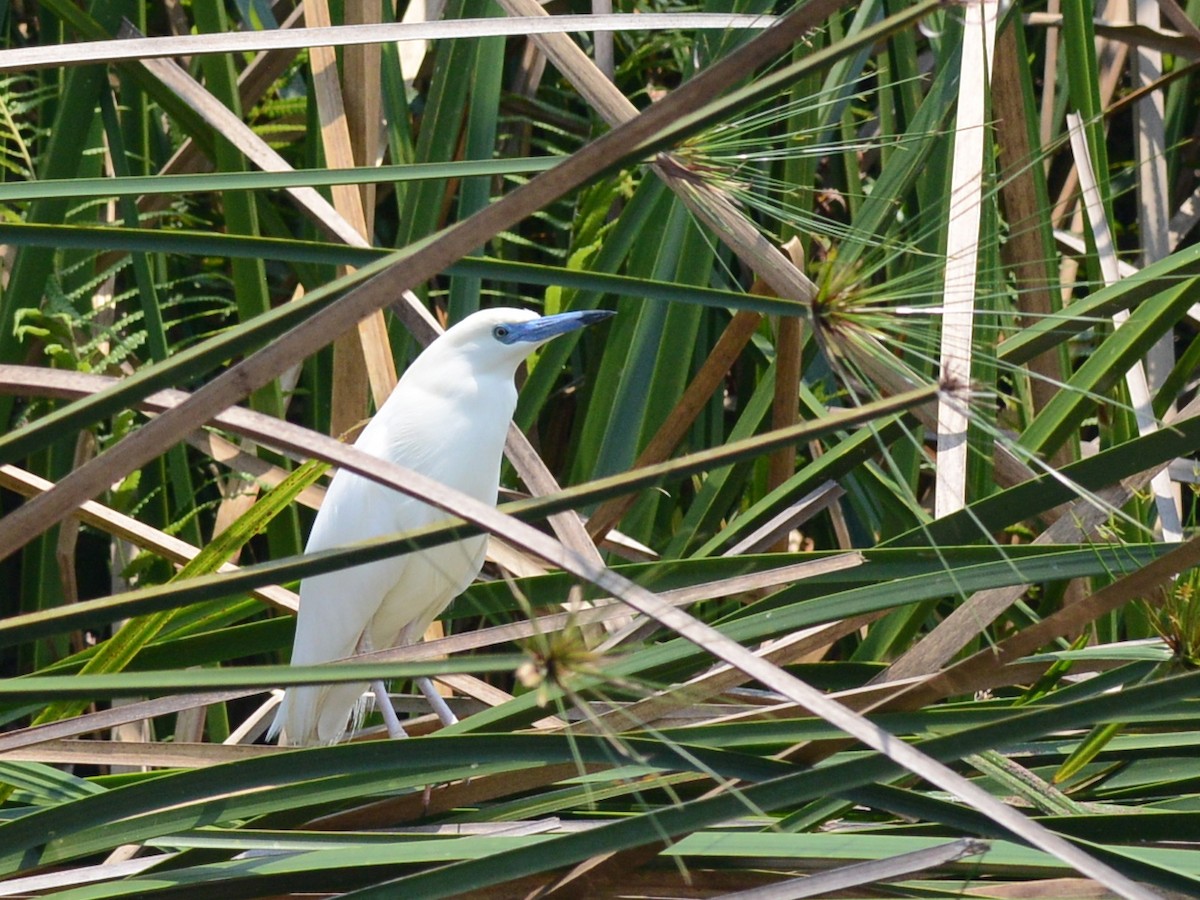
(500, 331)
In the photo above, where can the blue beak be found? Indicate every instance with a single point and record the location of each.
(537, 331)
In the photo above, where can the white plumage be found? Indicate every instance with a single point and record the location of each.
(447, 419)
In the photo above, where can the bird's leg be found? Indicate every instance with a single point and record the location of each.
(448, 718)
(384, 703)
(437, 702)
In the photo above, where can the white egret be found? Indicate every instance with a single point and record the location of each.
(447, 419)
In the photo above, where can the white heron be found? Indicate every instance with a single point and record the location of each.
(447, 419)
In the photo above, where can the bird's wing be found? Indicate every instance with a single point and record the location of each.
(438, 575)
(337, 608)
(378, 600)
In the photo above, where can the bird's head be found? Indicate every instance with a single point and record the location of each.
(494, 339)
